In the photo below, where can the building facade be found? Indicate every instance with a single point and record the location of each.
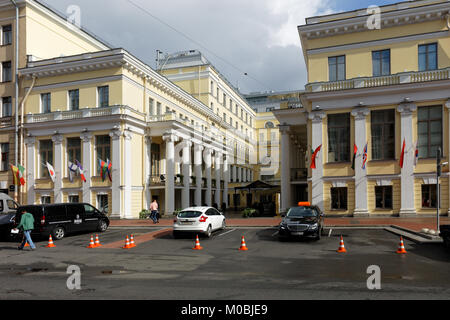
(382, 92)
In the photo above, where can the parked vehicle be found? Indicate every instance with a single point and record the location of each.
(445, 234)
(302, 221)
(64, 218)
(8, 209)
(204, 220)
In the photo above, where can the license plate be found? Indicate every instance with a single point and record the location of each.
(186, 222)
(297, 233)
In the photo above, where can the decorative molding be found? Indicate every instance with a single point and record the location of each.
(30, 141)
(86, 136)
(116, 134)
(170, 137)
(407, 108)
(384, 182)
(360, 113)
(57, 138)
(316, 116)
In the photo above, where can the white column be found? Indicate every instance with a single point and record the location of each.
(127, 167)
(30, 169)
(447, 105)
(226, 178)
(207, 157)
(86, 139)
(316, 118)
(361, 208)
(234, 173)
(148, 170)
(407, 173)
(198, 173)
(116, 151)
(58, 166)
(186, 161)
(170, 140)
(285, 169)
(218, 163)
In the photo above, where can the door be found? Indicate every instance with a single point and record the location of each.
(214, 215)
(75, 215)
(91, 217)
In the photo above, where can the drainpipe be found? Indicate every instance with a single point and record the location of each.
(16, 102)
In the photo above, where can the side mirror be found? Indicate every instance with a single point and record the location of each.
(283, 215)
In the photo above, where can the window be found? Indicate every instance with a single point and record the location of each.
(224, 100)
(46, 155)
(231, 104)
(7, 34)
(46, 102)
(74, 99)
(224, 117)
(73, 149)
(74, 199)
(339, 198)
(212, 106)
(155, 159)
(103, 96)
(336, 68)
(428, 196)
(383, 197)
(339, 137)
(6, 71)
(103, 150)
(211, 88)
(5, 157)
(45, 199)
(102, 202)
(217, 93)
(429, 121)
(383, 134)
(158, 108)
(269, 125)
(6, 107)
(381, 63)
(428, 57)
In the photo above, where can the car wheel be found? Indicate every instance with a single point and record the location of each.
(224, 225)
(102, 226)
(208, 232)
(59, 233)
(175, 234)
(447, 242)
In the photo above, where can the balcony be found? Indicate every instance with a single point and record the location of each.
(370, 82)
(299, 174)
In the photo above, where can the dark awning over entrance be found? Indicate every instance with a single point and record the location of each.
(256, 185)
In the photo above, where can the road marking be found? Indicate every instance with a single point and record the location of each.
(273, 234)
(329, 233)
(226, 232)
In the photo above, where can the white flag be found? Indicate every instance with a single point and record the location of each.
(51, 171)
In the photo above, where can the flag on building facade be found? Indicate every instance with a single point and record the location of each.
(313, 157)
(108, 169)
(355, 150)
(416, 153)
(364, 158)
(80, 170)
(18, 174)
(72, 170)
(103, 169)
(402, 155)
(51, 172)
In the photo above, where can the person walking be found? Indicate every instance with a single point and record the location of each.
(27, 225)
(154, 211)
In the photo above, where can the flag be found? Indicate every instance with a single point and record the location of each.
(416, 153)
(108, 168)
(364, 159)
(21, 174)
(72, 170)
(402, 155)
(103, 169)
(313, 157)
(15, 171)
(80, 170)
(51, 171)
(355, 150)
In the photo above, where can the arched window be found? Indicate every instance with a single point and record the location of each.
(269, 125)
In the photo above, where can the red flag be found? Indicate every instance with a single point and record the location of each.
(313, 157)
(402, 156)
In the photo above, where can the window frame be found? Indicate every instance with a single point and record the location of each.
(427, 46)
(383, 196)
(46, 102)
(339, 140)
(380, 71)
(9, 109)
(71, 99)
(383, 138)
(429, 121)
(102, 147)
(336, 64)
(432, 190)
(101, 95)
(339, 195)
(4, 43)
(10, 74)
(43, 174)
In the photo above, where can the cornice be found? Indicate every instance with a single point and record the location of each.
(358, 22)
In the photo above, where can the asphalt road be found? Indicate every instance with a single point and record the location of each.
(168, 268)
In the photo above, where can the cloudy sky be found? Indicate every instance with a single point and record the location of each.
(257, 37)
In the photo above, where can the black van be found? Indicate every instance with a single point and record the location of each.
(63, 218)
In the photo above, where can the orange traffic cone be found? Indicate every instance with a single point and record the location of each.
(197, 244)
(243, 246)
(26, 244)
(127, 244)
(341, 246)
(50, 243)
(97, 241)
(401, 246)
(132, 244)
(91, 243)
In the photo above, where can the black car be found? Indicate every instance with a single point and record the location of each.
(63, 218)
(302, 221)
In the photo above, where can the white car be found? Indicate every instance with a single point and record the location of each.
(203, 220)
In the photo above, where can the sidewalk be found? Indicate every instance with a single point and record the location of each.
(415, 224)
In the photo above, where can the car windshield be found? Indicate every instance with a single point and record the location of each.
(189, 214)
(301, 212)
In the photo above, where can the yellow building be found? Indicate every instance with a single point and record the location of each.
(376, 85)
(42, 34)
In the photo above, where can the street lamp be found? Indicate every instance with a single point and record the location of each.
(439, 166)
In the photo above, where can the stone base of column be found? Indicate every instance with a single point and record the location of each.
(361, 213)
(115, 216)
(405, 213)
